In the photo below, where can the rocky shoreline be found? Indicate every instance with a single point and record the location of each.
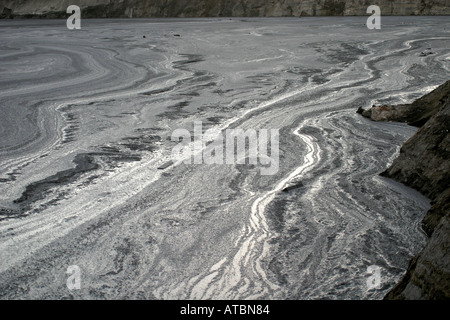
(424, 164)
(52, 9)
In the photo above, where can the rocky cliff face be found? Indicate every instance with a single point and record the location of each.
(216, 8)
(424, 164)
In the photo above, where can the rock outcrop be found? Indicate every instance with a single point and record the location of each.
(416, 113)
(424, 164)
(216, 8)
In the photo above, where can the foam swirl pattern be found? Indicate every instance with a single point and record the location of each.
(86, 120)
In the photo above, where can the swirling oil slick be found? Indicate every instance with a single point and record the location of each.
(87, 179)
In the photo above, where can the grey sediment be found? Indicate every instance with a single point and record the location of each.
(84, 163)
(36, 190)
